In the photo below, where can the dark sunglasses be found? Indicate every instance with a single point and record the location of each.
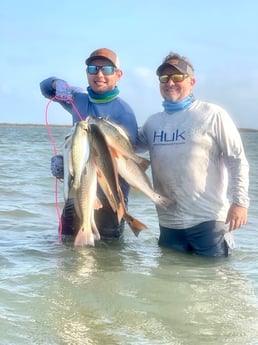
(176, 78)
(106, 70)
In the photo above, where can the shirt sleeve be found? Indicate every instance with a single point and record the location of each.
(141, 142)
(80, 101)
(46, 87)
(234, 157)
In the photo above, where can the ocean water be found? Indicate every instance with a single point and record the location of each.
(123, 293)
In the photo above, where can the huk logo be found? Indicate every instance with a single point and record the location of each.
(163, 137)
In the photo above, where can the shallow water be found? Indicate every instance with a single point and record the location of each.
(127, 292)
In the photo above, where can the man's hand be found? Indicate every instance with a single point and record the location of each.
(63, 91)
(57, 166)
(237, 216)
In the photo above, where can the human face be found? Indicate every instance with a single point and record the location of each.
(176, 91)
(101, 83)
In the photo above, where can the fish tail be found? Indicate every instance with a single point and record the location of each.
(144, 163)
(84, 238)
(135, 225)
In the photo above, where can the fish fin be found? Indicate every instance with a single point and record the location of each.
(94, 228)
(66, 186)
(77, 208)
(122, 206)
(144, 163)
(120, 212)
(97, 204)
(113, 152)
(84, 238)
(71, 193)
(106, 190)
(135, 225)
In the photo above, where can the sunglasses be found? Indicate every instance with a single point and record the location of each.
(176, 78)
(106, 70)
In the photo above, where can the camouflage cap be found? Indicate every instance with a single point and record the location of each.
(177, 61)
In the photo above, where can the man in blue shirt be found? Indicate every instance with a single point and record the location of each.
(101, 99)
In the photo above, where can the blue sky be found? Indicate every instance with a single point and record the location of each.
(45, 38)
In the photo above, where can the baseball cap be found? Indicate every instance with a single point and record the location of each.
(103, 53)
(177, 61)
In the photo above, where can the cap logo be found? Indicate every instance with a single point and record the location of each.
(173, 61)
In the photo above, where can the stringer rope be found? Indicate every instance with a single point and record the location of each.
(55, 153)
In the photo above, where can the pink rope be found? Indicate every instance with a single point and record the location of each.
(55, 153)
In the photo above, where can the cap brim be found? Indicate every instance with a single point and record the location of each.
(165, 65)
(90, 59)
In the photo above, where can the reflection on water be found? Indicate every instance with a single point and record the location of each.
(104, 297)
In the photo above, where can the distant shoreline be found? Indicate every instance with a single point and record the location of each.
(247, 130)
(6, 124)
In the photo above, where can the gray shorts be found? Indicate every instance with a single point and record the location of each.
(205, 239)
